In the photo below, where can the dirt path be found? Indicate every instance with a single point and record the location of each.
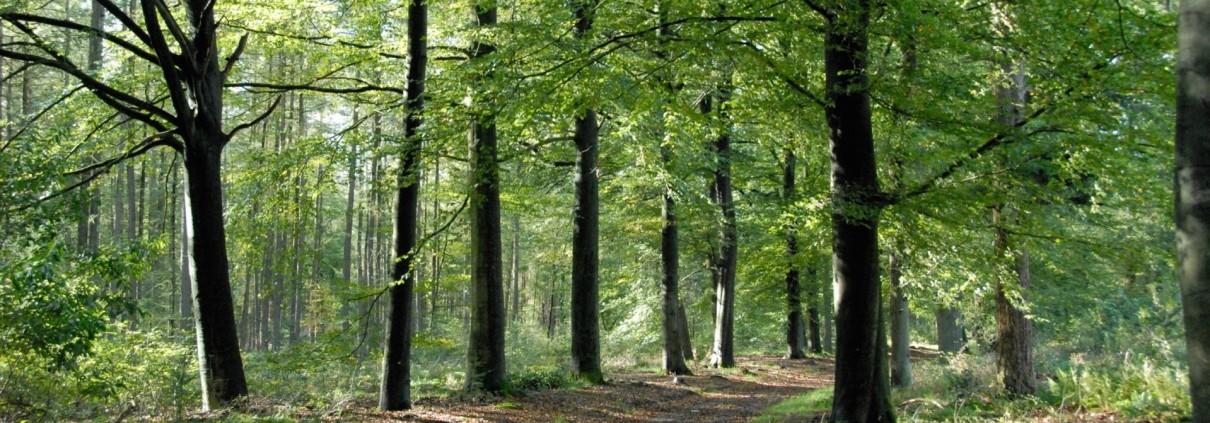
(709, 395)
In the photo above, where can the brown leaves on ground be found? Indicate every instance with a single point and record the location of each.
(709, 395)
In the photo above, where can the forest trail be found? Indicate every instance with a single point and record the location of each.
(710, 395)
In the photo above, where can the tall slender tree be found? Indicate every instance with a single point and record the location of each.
(796, 338)
(396, 393)
(585, 253)
(486, 366)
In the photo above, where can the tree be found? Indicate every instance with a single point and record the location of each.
(672, 314)
(486, 367)
(396, 392)
(901, 360)
(796, 338)
(195, 85)
(726, 261)
(862, 391)
(585, 262)
(1192, 188)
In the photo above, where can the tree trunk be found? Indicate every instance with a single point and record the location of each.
(515, 270)
(186, 298)
(682, 326)
(813, 301)
(585, 261)
(1014, 332)
(222, 375)
(795, 334)
(674, 361)
(862, 391)
(486, 366)
(1192, 191)
(949, 330)
(901, 361)
(396, 392)
(723, 354)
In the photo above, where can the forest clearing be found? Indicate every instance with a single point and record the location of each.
(601, 210)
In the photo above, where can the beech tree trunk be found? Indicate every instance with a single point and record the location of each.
(901, 361)
(1014, 332)
(515, 271)
(396, 391)
(949, 330)
(670, 318)
(682, 326)
(795, 332)
(585, 254)
(1192, 191)
(723, 354)
(486, 366)
(862, 388)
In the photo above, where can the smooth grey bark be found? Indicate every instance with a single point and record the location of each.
(949, 330)
(796, 339)
(862, 388)
(486, 366)
(585, 249)
(1192, 176)
(674, 359)
(901, 361)
(515, 269)
(396, 391)
(723, 352)
(682, 327)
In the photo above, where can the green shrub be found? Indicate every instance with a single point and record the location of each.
(1137, 388)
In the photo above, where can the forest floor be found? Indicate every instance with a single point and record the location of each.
(709, 395)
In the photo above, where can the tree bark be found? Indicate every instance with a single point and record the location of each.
(682, 327)
(486, 366)
(515, 271)
(674, 360)
(862, 391)
(1014, 332)
(396, 392)
(901, 361)
(949, 330)
(1192, 176)
(585, 254)
(723, 354)
(795, 332)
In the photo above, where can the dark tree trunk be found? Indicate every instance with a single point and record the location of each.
(949, 330)
(674, 359)
(219, 355)
(901, 362)
(723, 354)
(486, 366)
(396, 392)
(795, 333)
(862, 392)
(585, 254)
(1192, 189)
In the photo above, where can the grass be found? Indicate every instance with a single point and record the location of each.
(810, 406)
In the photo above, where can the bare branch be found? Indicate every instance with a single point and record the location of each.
(60, 23)
(254, 122)
(235, 55)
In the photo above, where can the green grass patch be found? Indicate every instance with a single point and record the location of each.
(801, 408)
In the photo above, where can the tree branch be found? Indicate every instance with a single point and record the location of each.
(254, 122)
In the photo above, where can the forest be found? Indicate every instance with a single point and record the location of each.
(603, 210)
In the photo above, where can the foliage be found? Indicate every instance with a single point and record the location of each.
(806, 407)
